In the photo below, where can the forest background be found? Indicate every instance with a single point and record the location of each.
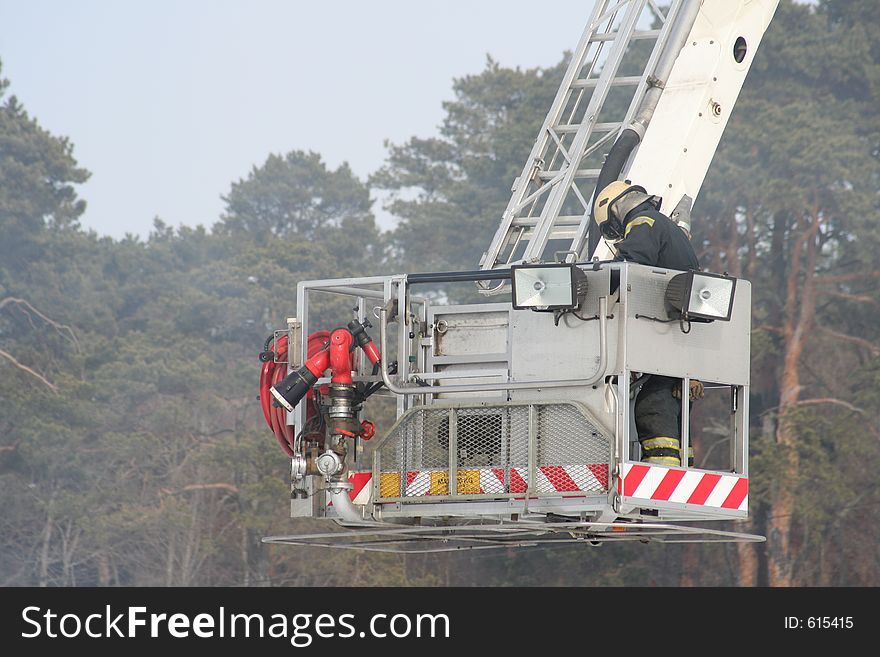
(133, 451)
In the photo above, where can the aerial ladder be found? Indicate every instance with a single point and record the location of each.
(514, 415)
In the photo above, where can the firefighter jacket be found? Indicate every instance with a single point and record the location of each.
(651, 238)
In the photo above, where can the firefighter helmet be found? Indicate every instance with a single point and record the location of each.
(611, 225)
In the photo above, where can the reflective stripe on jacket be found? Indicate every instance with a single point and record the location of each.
(651, 238)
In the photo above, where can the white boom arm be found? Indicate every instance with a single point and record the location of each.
(659, 127)
(698, 97)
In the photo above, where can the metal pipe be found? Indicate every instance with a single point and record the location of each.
(633, 134)
(510, 385)
(458, 276)
(351, 291)
(684, 23)
(685, 441)
(618, 438)
(337, 491)
(361, 292)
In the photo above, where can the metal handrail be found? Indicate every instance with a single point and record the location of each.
(508, 385)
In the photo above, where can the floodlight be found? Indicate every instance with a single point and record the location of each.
(697, 296)
(558, 286)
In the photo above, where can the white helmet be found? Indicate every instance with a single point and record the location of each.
(610, 219)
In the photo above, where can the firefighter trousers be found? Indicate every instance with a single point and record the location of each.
(658, 421)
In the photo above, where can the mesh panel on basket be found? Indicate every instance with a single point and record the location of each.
(492, 450)
(573, 453)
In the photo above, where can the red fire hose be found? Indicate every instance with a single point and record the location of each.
(326, 350)
(273, 372)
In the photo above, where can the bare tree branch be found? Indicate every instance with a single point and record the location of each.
(858, 298)
(770, 329)
(861, 342)
(27, 369)
(62, 329)
(191, 487)
(839, 402)
(220, 486)
(830, 400)
(846, 278)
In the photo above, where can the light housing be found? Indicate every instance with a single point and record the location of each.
(698, 296)
(549, 287)
(293, 388)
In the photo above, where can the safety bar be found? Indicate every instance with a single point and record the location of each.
(510, 385)
(458, 276)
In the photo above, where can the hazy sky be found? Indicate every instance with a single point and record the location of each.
(168, 102)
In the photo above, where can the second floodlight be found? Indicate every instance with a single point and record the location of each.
(700, 296)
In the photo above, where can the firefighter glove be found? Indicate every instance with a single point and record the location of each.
(696, 390)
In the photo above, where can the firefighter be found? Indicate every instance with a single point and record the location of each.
(630, 221)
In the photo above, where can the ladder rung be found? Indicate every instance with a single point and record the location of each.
(562, 233)
(580, 173)
(570, 220)
(623, 81)
(643, 34)
(556, 233)
(574, 127)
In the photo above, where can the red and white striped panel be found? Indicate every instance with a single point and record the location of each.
(550, 479)
(592, 477)
(661, 484)
(361, 492)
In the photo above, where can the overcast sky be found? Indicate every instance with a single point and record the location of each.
(168, 102)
